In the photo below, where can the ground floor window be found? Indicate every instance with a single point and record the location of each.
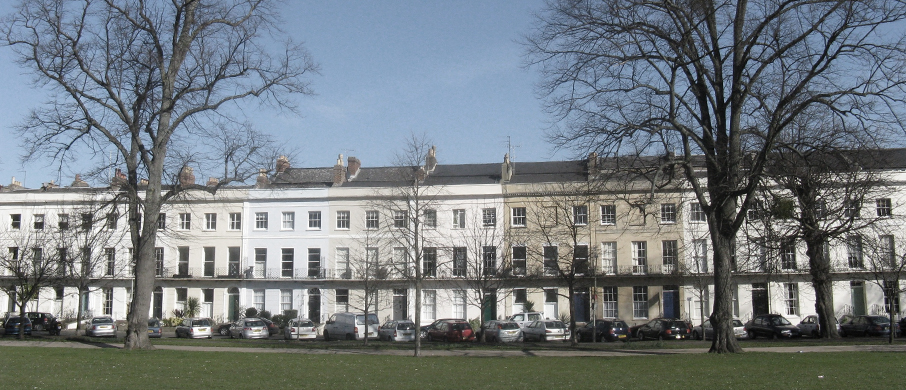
(609, 302)
(640, 302)
(791, 298)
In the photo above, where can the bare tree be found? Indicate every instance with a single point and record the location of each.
(560, 222)
(814, 186)
(481, 261)
(408, 208)
(30, 266)
(884, 266)
(88, 250)
(718, 81)
(142, 78)
(369, 269)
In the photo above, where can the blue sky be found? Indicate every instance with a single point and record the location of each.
(452, 70)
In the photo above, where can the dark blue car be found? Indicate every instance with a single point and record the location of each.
(12, 325)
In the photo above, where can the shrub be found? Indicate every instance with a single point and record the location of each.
(265, 314)
(193, 307)
(290, 314)
(251, 312)
(280, 320)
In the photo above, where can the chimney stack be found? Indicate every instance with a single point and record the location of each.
(262, 180)
(78, 182)
(186, 176)
(353, 167)
(431, 160)
(506, 169)
(282, 164)
(339, 172)
(213, 181)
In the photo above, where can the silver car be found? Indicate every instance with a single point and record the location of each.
(300, 329)
(195, 328)
(546, 330)
(501, 331)
(249, 328)
(101, 326)
(402, 330)
(706, 331)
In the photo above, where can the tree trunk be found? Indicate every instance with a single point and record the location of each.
(145, 263)
(722, 317)
(418, 314)
(572, 314)
(819, 268)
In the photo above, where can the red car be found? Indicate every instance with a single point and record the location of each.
(452, 331)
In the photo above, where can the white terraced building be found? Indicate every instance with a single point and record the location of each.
(514, 236)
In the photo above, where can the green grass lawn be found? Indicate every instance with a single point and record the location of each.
(68, 368)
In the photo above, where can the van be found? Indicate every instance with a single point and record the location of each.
(351, 326)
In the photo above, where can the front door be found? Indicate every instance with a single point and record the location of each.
(400, 304)
(490, 306)
(760, 304)
(581, 305)
(158, 307)
(671, 302)
(314, 305)
(857, 290)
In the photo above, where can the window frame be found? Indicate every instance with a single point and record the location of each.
(343, 220)
(314, 220)
(235, 221)
(459, 219)
(261, 220)
(489, 217)
(518, 217)
(884, 207)
(697, 213)
(372, 220)
(609, 214)
(668, 213)
(288, 220)
(185, 221)
(210, 221)
(580, 215)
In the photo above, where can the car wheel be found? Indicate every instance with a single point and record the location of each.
(350, 336)
(842, 333)
(775, 336)
(326, 336)
(542, 338)
(641, 336)
(815, 333)
(751, 335)
(696, 336)
(660, 337)
(224, 331)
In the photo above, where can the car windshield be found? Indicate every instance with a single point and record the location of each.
(680, 324)
(554, 324)
(254, 323)
(880, 320)
(305, 324)
(508, 325)
(459, 326)
(619, 324)
(103, 320)
(13, 321)
(153, 324)
(737, 323)
(405, 326)
(780, 321)
(372, 320)
(201, 323)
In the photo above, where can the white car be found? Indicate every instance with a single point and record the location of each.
(195, 328)
(403, 330)
(300, 329)
(524, 319)
(545, 330)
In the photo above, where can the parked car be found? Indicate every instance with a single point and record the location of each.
(272, 328)
(300, 329)
(452, 331)
(772, 326)
(154, 328)
(423, 332)
(662, 329)
(604, 329)
(224, 329)
(902, 327)
(523, 319)
(500, 331)
(866, 326)
(11, 327)
(249, 328)
(43, 321)
(706, 331)
(545, 330)
(402, 330)
(194, 328)
(351, 326)
(811, 326)
(101, 326)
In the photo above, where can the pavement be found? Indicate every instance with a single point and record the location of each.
(528, 351)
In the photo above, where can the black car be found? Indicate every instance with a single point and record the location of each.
(663, 328)
(866, 326)
(772, 326)
(43, 321)
(605, 329)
